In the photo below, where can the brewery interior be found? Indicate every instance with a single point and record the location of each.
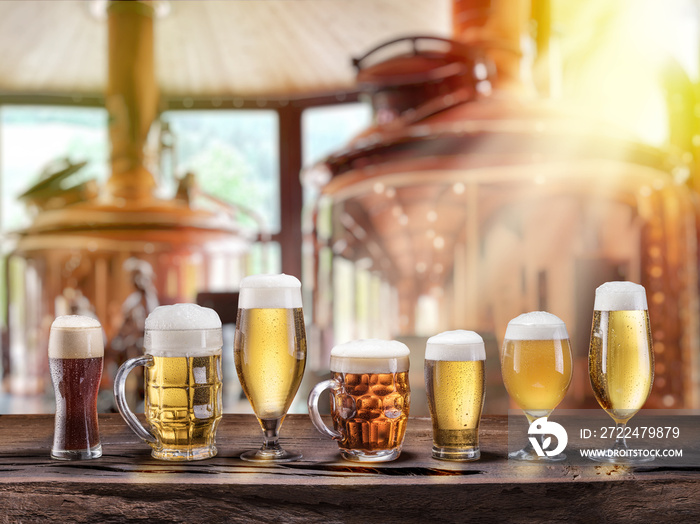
(420, 165)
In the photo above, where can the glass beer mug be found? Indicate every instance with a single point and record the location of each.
(370, 399)
(182, 361)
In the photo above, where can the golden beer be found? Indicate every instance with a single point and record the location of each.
(270, 355)
(454, 380)
(183, 402)
(621, 362)
(536, 373)
(182, 381)
(536, 364)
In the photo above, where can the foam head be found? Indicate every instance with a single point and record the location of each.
(270, 292)
(536, 325)
(76, 336)
(183, 330)
(370, 356)
(620, 296)
(456, 346)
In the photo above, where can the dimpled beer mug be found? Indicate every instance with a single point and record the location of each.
(370, 399)
(76, 351)
(454, 382)
(182, 346)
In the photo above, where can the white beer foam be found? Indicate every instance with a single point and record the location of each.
(620, 296)
(536, 325)
(270, 292)
(456, 346)
(370, 356)
(76, 336)
(183, 330)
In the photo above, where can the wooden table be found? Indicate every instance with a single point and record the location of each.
(126, 484)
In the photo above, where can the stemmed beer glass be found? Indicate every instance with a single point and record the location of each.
(536, 365)
(621, 360)
(270, 355)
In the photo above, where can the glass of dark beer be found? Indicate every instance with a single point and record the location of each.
(76, 351)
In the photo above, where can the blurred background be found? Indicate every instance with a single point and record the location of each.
(421, 165)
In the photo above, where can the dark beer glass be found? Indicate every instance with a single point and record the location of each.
(76, 351)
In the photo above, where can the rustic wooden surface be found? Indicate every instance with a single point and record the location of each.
(126, 484)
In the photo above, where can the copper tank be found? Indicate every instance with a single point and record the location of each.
(118, 251)
(470, 200)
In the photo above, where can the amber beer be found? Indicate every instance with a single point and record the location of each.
(621, 360)
(454, 380)
(370, 399)
(76, 351)
(536, 362)
(182, 382)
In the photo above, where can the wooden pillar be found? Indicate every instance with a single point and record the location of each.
(291, 195)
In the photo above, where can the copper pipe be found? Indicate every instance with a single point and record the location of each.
(131, 98)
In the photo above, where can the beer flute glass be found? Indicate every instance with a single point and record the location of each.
(536, 364)
(621, 359)
(454, 382)
(76, 351)
(270, 355)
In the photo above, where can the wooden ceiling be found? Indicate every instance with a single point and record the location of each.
(207, 48)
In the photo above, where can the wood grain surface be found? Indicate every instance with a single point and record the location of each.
(127, 485)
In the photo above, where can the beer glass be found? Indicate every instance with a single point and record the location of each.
(621, 359)
(454, 381)
(536, 365)
(270, 355)
(76, 351)
(370, 399)
(182, 361)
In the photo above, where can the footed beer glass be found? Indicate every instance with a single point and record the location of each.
(621, 360)
(536, 365)
(270, 355)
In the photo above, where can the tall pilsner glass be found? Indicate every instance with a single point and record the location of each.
(621, 359)
(536, 368)
(270, 355)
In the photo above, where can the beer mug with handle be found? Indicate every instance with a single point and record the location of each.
(182, 346)
(370, 399)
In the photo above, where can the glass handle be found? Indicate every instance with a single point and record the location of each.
(313, 408)
(120, 396)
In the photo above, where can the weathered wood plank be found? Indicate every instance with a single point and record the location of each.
(126, 484)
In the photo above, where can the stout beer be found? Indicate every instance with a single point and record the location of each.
(76, 351)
